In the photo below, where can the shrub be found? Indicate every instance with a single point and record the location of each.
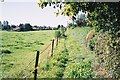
(107, 49)
(57, 34)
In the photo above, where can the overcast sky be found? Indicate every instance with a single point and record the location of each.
(27, 11)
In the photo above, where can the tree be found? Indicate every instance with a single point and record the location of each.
(81, 18)
(25, 27)
(1, 26)
(58, 27)
(21, 26)
(28, 27)
(99, 14)
(5, 23)
(6, 26)
(13, 26)
(81, 22)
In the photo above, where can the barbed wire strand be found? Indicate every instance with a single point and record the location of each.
(45, 48)
(31, 71)
(33, 60)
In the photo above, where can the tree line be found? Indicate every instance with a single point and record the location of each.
(26, 27)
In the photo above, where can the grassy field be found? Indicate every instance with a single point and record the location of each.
(19, 48)
(71, 59)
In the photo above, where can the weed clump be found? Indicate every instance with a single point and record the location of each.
(5, 51)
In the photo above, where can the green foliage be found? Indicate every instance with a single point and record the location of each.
(57, 34)
(1, 26)
(58, 26)
(107, 49)
(80, 61)
(80, 70)
(46, 67)
(69, 59)
(59, 73)
(81, 22)
(62, 30)
(105, 16)
(60, 33)
(69, 25)
(57, 63)
(25, 27)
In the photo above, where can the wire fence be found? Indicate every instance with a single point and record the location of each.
(28, 70)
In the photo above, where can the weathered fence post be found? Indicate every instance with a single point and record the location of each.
(57, 42)
(52, 47)
(36, 65)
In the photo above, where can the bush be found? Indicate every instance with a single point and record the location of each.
(57, 34)
(107, 49)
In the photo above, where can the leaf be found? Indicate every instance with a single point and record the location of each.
(57, 14)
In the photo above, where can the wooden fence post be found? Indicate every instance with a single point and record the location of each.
(36, 65)
(57, 42)
(52, 47)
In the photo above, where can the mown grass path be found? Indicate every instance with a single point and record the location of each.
(81, 59)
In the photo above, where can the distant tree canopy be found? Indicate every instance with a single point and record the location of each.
(81, 22)
(0, 25)
(5, 25)
(13, 26)
(26, 27)
(60, 26)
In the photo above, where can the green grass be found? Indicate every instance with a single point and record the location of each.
(23, 47)
(81, 59)
(71, 59)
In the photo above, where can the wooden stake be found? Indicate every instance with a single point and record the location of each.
(36, 65)
(52, 47)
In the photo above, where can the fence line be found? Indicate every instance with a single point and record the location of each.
(45, 48)
(36, 65)
(26, 67)
(33, 60)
